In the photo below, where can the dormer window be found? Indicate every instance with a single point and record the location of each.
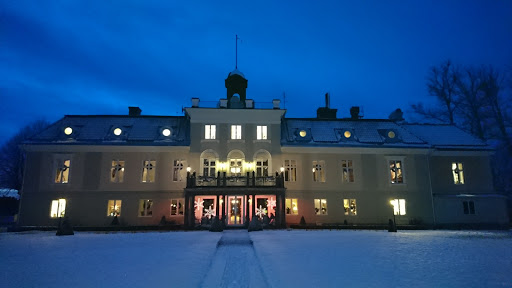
(391, 135)
(118, 131)
(166, 132)
(302, 133)
(68, 131)
(347, 134)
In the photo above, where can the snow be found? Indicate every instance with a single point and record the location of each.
(237, 258)
(9, 193)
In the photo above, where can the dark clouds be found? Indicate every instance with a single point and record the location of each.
(98, 57)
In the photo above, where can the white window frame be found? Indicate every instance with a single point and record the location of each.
(58, 208)
(145, 210)
(148, 167)
(210, 132)
(319, 171)
(261, 168)
(118, 167)
(261, 132)
(458, 173)
(318, 210)
(179, 168)
(178, 202)
(347, 169)
(399, 206)
(114, 203)
(289, 208)
(236, 132)
(62, 169)
(290, 169)
(209, 167)
(238, 169)
(393, 160)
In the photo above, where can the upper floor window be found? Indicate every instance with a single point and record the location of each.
(469, 207)
(117, 171)
(235, 167)
(148, 171)
(396, 171)
(398, 206)
(262, 167)
(58, 208)
(347, 171)
(319, 171)
(290, 170)
(458, 173)
(236, 131)
(179, 172)
(209, 167)
(62, 170)
(261, 132)
(209, 132)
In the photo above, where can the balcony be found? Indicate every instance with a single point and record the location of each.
(250, 180)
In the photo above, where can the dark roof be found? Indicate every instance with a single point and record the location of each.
(99, 130)
(374, 133)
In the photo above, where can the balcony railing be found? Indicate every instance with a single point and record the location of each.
(250, 180)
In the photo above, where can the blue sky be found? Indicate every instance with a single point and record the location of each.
(99, 57)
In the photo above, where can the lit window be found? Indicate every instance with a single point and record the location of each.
(398, 206)
(321, 206)
(391, 134)
(117, 171)
(236, 131)
(396, 171)
(114, 208)
(177, 207)
(235, 167)
(166, 132)
(209, 131)
(145, 208)
(347, 170)
(469, 207)
(148, 171)
(68, 131)
(62, 171)
(118, 131)
(318, 171)
(347, 134)
(261, 167)
(58, 208)
(290, 170)
(458, 173)
(291, 206)
(261, 132)
(302, 133)
(179, 171)
(350, 206)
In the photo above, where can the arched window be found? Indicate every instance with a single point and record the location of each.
(262, 162)
(209, 159)
(236, 159)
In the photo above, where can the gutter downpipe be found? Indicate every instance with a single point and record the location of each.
(431, 191)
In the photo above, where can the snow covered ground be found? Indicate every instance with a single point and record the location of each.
(275, 258)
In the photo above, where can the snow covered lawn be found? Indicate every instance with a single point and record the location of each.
(288, 259)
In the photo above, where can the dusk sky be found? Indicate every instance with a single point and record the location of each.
(99, 57)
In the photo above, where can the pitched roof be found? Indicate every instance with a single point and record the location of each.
(446, 136)
(99, 130)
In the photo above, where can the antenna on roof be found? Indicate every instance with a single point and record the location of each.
(236, 51)
(284, 100)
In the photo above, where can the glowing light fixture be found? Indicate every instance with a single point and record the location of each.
(347, 134)
(166, 132)
(314, 169)
(118, 131)
(282, 169)
(302, 133)
(189, 169)
(391, 134)
(68, 130)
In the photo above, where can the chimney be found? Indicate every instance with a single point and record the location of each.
(327, 100)
(354, 113)
(134, 111)
(195, 102)
(276, 103)
(326, 112)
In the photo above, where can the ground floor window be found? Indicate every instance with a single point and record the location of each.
(321, 206)
(146, 208)
(469, 207)
(177, 207)
(398, 206)
(291, 206)
(350, 206)
(204, 207)
(58, 208)
(114, 208)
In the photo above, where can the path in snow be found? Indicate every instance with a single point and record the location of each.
(235, 263)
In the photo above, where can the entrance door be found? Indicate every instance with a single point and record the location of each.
(236, 210)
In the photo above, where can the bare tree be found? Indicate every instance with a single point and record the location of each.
(441, 84)
(470, 101)
(12, 157)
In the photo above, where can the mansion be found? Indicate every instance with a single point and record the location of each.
(236, 161)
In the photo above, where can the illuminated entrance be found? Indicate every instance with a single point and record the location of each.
(236, 210)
